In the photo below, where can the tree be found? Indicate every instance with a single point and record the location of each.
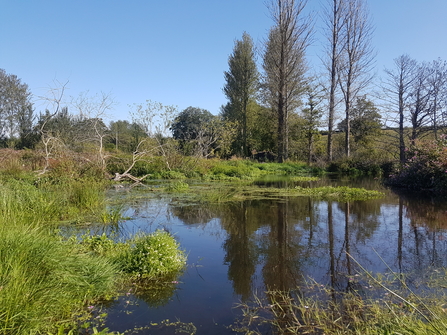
(155, 119)
(284, 64)
(398, 89)
(194, 129)
(312, 115)
(335, 19)
(438, 87)
(92, 111)
(242, 81)
(365, 122)
(357, 56)
(16, 108)
(420, 98)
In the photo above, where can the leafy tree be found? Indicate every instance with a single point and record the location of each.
(242, 81)
(312, 114)
(194, 127)
(365, 122)
(16, 109)
(124, 135)
(284, 64)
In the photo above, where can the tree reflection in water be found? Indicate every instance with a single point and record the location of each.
(284, 244)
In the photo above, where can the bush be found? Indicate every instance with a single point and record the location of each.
(425, 168)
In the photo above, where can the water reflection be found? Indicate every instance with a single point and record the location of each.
(263, 245)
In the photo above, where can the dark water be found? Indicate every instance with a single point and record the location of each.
(240, 249)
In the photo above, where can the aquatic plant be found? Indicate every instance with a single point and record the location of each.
(112, 215)
(178, 186)
(340, 193)
(152, 256)
(304, 178)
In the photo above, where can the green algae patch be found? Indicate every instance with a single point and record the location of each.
(340, 193)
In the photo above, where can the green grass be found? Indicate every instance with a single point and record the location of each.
(44, 280)
(320, 311)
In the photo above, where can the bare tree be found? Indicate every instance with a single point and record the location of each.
(356, 59)
(156, 119)
(53, 101)
(438, 86)
(93, 110)
(420, 99)
(335, 19)
(397, 92)
(284, 63)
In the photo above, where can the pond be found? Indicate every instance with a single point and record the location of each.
(239, 249)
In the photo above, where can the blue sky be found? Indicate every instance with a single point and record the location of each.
(175, 51)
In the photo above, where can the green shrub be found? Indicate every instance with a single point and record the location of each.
(153, 256)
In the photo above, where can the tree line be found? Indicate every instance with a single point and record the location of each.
(280, 107)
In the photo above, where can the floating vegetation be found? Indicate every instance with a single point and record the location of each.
(178, 186)
(112, 215)
(340, 193)
(304, 178)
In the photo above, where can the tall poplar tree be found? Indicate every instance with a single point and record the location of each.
(284, 64)
(242, 82)
(357, 57)
(335, 19)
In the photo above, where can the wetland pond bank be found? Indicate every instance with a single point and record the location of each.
(252, 246)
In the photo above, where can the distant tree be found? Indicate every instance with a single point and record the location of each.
(284, 64)
(242, 82)
(312, 115)
(365, 121)
(194, 128)
(121, 135)
(357, 56)
(263, 129)
(420, 111)
(438, 87)
(51, 141)
(397, 88)
(92, 111)
(16, 109)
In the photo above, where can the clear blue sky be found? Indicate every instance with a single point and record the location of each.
(175, 51)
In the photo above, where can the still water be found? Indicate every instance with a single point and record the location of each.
(237, 250)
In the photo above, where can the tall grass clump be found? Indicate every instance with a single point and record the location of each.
(44, 280)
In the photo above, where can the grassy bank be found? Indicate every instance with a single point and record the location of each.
(47, 282)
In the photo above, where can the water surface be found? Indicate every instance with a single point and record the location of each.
(240, 249)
